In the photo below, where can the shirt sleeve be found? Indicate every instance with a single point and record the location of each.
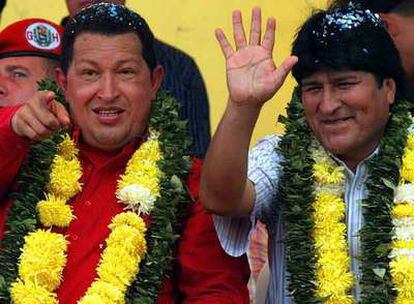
(13, 149)
(204, 272)
(263, 170)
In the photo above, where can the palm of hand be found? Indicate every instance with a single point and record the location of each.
(250, 76)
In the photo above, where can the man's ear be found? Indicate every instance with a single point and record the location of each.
(392, 24)
(390, 90)
(156, 79)
(61, 79)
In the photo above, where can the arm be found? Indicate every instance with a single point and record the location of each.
(252, 79)
(13, 149)
(205, 273)
(38, 118)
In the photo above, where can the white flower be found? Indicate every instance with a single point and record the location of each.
(404, 228)
(137, 198)
(395, 253)
(404, 194)
(411, 127)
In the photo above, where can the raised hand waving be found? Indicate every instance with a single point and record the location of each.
(252, 76)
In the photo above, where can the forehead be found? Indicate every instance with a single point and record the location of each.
(93, 44)
(28, 62)
(333, 75)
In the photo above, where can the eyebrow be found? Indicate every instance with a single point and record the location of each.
(11, 68)
(339, 78)
(118, 63)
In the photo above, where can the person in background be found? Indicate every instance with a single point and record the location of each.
(182, 80)
(29, 52)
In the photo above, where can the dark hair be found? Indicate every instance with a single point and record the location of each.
(107, 19)
(347, 38)
(2, 5)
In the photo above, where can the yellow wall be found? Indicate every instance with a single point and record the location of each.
(189, 25)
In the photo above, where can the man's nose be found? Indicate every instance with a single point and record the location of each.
(330, 101)
(108, 89)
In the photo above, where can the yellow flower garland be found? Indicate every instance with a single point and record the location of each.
(333, 277)
(332, 268)
(402, 254)
(43, 255)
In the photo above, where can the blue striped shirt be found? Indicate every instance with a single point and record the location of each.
(264, 170)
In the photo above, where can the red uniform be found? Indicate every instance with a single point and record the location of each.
(204, 273)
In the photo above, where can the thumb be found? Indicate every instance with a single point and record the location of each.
(283, 70)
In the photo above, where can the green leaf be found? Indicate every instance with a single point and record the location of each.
(388, 183)
(379, 272)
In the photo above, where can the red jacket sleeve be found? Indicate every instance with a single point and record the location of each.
(205, 273)
(13, 150)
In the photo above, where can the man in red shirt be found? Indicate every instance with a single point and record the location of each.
(29, 52)
(118, 128)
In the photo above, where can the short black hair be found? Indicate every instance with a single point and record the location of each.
(345, 37)
(107, 19)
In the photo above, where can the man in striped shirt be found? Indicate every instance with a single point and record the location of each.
(349, 75)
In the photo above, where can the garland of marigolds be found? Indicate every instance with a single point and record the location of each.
(150, 185)
(317, 252)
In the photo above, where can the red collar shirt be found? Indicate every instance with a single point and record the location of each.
(203, 272)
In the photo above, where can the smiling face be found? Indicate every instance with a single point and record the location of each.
(109, 88)
(347, 111)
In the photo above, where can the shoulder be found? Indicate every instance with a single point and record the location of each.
(169, 53)
(265, 147)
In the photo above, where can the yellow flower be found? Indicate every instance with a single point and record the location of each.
(333, 277)
(43, 259)
(402, 271)
(328, 173)
(129, 239)
(328, 207)
(64, 177)
(30, 293)
(109, 293)
(118, 267)
(144, 174)
(92, 299)
(401, 244)
(54, 212)
(130, 219)
(407, 168)
(403, 210)
(67, 148)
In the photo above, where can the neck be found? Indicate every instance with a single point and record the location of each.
(353, 160)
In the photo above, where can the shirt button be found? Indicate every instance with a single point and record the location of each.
(88, 203)
(75, 237)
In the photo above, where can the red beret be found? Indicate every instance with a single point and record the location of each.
(31, 37)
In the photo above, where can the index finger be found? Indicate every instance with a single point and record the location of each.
(60, 112)
(226, 47)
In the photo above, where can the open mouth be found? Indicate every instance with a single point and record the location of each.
(113, 112)
(108, 115)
